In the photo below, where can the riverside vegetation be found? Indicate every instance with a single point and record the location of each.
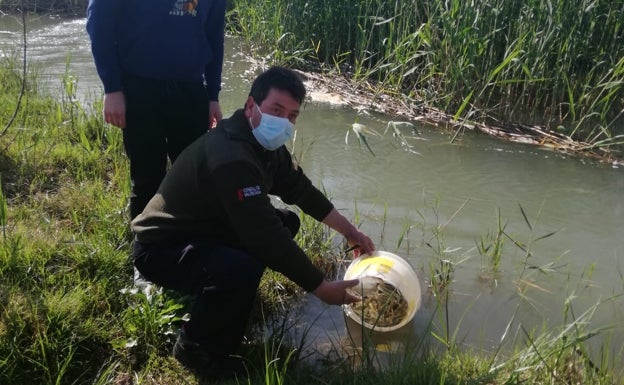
(69, 313)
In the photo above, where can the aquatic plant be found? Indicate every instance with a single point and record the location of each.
(490, 247)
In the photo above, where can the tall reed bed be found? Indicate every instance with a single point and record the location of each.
(559, 64)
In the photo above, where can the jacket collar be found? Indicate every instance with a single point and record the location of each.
(237, 127)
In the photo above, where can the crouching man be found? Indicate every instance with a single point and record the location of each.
(211, 230)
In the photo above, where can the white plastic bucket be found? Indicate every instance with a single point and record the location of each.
(392, 269)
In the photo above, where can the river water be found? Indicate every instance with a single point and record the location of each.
(449, 194)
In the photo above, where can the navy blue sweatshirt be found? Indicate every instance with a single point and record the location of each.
(159, 39)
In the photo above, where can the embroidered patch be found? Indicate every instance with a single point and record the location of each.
(184, 7)
(247, 192)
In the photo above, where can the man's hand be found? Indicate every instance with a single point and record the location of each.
(338, 222)
(364, 243)
(335, 292)
(115, 109)
(215, 114)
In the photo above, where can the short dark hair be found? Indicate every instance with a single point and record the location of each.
(281, 78)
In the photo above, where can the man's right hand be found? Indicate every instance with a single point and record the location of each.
(335, 292)
(115, 109)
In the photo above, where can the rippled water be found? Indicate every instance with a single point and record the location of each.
(459, 187)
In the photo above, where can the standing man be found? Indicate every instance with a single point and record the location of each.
(211, 229)
(160, 62)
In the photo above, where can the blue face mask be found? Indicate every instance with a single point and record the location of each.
(273, 131)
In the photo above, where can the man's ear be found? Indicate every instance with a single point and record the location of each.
(249, 105)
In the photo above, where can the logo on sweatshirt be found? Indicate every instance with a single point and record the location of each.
(247, 192)
(184, 7)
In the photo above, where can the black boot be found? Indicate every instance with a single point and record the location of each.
(205, 365)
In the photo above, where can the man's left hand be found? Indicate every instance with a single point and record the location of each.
(215, 114)
(336, 293)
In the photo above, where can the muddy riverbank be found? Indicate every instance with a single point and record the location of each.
(365, 96)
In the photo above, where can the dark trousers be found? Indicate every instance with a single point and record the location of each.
(162, 118)
(222, 279)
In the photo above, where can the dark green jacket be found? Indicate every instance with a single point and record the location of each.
(219, 188)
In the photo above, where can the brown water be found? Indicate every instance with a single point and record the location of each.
(427, 183)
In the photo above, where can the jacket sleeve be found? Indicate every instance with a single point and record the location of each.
(243, 196)
(215, 33)
(102, 25)
(294, 187)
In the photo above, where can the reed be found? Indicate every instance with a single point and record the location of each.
(490, 247)
(557, 64)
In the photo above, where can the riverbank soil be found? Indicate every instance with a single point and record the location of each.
(363, 94)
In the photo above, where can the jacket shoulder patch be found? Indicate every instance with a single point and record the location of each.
(247, 192)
